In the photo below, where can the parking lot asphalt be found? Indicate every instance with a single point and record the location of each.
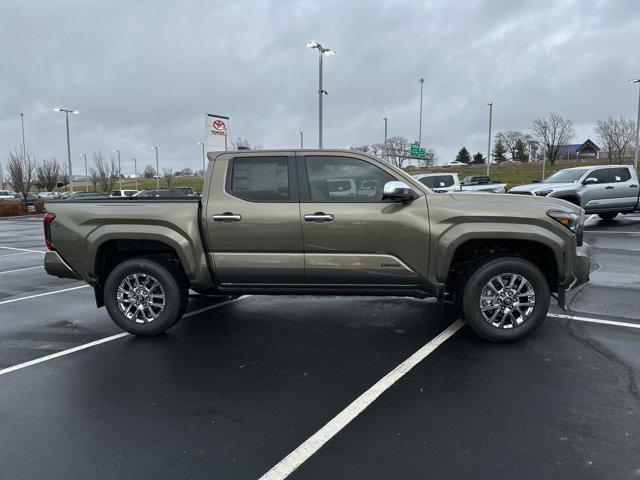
(236, 387)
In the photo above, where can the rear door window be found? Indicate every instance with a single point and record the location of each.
(260, 179)
(620, 175)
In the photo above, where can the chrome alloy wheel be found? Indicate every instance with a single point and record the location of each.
(141, 298)
(507, 300)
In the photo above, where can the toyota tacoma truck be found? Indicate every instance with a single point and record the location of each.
(606, 190)
(321, 222)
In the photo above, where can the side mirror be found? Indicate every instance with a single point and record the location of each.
(399, 192)
(590, 180)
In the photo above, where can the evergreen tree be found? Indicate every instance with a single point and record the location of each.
(463, 156)
(520, 153)
(478, 158)
(498, 153)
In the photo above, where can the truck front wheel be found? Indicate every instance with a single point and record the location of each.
(145, 296)
(504, 299)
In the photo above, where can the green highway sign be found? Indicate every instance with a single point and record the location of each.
(416, 151)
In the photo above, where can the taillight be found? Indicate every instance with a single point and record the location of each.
(48, 217)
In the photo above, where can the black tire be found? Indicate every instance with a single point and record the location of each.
(608, 216)
(473, 286)
(172, 284)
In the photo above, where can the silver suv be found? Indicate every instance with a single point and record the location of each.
(603, 189)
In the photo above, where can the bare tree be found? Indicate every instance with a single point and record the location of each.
(21, 172)
(106, 171)
(93, 177)
(553, 132)
(616, 136)
(167, 174)
(241, 143)
(510, 140)
(3, 180)
(149, 171)
(47, 174)
(396, 151)
(64, 174)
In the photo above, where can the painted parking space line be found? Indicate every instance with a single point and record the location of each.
(21, 269)
(610, 231)
(310, 446)
(43, 294)
(26, 250)
(601, 321)
(84, 346)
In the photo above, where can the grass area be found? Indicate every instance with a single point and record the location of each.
(512, 174)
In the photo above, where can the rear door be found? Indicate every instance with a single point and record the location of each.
(351, 236)
(253, 220)
(626, 190)
(597, 194)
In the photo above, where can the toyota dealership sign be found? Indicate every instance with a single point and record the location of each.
(216, 131)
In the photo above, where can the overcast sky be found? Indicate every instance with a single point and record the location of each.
(143, 73)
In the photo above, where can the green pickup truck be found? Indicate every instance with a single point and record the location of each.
(321, 222)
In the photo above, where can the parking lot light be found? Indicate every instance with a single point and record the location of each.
(321, 52)
(635, 154)
(135, 170)
(490, 104)
(67, 112)
(86, 176)
(157, 169)
(301, 133)
(116, 150)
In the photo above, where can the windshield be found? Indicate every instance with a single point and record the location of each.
(566, 176)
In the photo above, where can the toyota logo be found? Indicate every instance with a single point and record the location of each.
(219, 125)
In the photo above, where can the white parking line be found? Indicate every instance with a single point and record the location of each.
(611, 231)
(23, 249)
(301, 454)
(12, 254)
(43, 294)
(21, 269)
(594, 320)
(101, 341)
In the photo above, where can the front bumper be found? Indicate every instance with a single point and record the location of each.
(56, 266)
(578, 278)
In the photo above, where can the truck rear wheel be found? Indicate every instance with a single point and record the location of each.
(608, 216)
(145, 296)
(504, 299)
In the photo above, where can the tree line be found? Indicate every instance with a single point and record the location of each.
(549, 134)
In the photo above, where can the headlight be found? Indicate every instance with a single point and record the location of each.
(543, 193)
(568, 219)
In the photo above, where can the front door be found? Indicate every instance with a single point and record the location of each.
(351, 236)
(253, 221)
(597, 193)
(625, 188)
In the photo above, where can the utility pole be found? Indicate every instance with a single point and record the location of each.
(420, 126)
(24, 145)
(544, 152)
(489, 143)
(86, 176)
(321, 51)
(157, 169)
(384, 145)
(301, 133)
(67, 112)
(119, 169)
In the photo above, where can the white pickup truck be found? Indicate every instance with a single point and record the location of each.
(449, 182)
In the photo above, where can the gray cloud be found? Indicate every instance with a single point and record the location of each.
(143, 73)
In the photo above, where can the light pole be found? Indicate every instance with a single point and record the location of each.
(67, 112)
(116, 150)
(384, 145)
(421, 81)
(544, 152)
(135, 170)
(489, 143)
(86, 176)
(157, 169)
(24, 146)
(635, 154)
(301, 133)
(204, 169)
(321, 51)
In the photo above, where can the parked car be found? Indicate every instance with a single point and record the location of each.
(18, 197)
(85, 195)
(189, 191)
(123, 193)
(171, 192)
(49, 195)
(267, 225)
(606, 190)
(7, 194)
(449, 182)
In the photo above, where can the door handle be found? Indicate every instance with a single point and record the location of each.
(226, 217)
(633, 186)
(318, 217)
(609, 187)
